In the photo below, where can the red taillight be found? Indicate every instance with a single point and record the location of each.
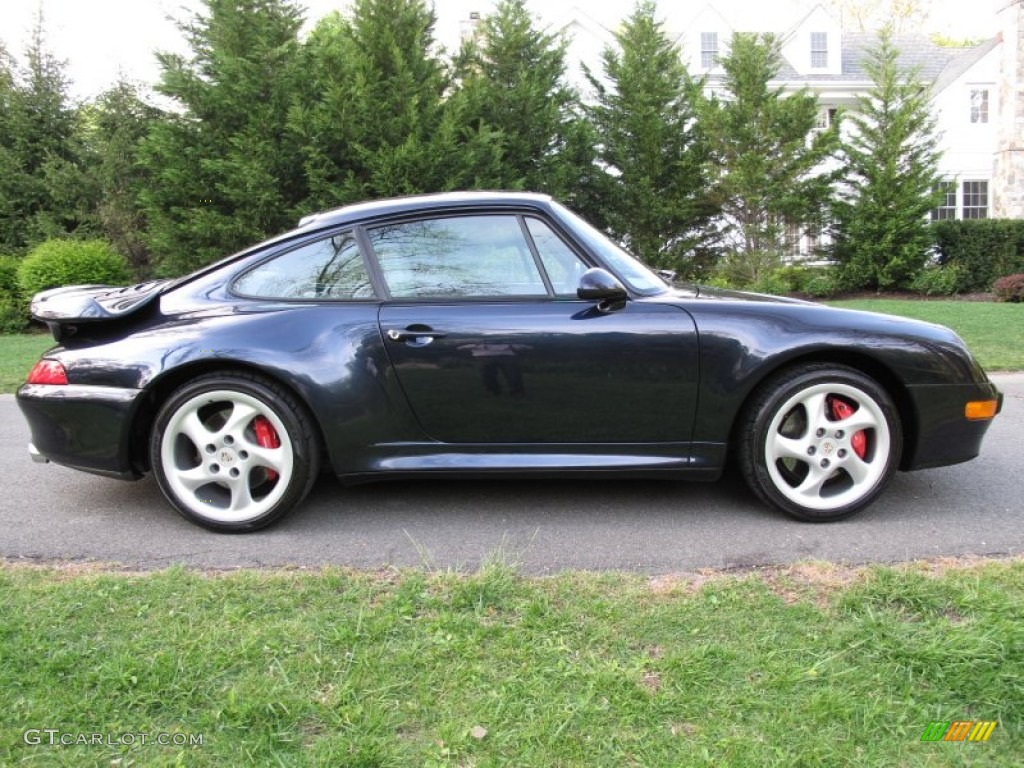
(48, 372)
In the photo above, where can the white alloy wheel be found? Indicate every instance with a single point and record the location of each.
(820, 441)
(233, 452)
(815, 459)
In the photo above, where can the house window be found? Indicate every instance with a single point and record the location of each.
(947, 205)
(975, 199)
(826, 117)
(819, 50)
(708, 49)
(979, 105)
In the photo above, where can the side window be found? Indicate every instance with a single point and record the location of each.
(457, 256)
(560, 262)
(331, 268)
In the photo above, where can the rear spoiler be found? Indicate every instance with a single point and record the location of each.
(64, 308)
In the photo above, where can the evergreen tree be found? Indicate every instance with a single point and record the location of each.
(893, 178)
(114, 127)
(12, 237)
(773, 165)
(512, 78)
(225, 170)
(37, 123)
(374, 120)
(651, 145)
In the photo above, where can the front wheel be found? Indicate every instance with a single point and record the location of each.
(233, 452)
(820, 442)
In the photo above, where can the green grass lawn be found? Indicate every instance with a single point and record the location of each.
(994, 332)
(18, 353)
(810, 665)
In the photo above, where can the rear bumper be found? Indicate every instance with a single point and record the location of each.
(81, 426)
(944, 435)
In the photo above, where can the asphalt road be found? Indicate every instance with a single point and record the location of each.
(52, 513)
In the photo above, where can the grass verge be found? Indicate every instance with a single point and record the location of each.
(18, 353)
(807, 665)
(994, 332)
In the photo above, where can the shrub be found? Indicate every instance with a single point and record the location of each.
(13, 310)
(1009, 288)
(774, 283)
(9, 275)
(13, 314)
(68, 262)
(983, 249)
(938, 281)
(822, 285)
(717, 281)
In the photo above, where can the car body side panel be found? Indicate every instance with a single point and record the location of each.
(743, 342)
(331, 354)
(547, 372)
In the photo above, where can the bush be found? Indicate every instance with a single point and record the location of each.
(1009, 288)
(774, 283)
(938, 281)
(822, 285)
(70, 262)
(13, 314)
(798, 278)
(9, 275)
(718, 281)
(13, 309)
(983, 249)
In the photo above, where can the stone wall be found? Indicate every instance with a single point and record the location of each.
(1008, 167)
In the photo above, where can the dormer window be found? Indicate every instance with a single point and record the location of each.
(708, 49)
(819, 50)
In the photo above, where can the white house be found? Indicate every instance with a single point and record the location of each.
(978, 92)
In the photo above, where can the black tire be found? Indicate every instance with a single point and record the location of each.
(794, 453)
(221, 469)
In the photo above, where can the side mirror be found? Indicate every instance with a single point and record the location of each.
(601, 286)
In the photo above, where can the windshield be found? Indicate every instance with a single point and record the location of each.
(626, 266)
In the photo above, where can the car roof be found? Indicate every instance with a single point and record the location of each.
(416, 203)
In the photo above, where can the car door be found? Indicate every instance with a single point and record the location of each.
(491, 345)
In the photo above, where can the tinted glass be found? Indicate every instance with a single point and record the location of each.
(562, 265)
(332, 268)
(457, 256)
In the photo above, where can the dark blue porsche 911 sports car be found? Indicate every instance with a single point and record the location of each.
(474, 334)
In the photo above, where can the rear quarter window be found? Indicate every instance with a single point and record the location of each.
(329, 268)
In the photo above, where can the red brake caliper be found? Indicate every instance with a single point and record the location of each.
(858, 442)
(266, 437)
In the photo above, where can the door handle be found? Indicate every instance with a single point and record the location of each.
(414, 335)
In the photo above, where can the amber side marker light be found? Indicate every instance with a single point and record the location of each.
(48, 372)
(979, 410)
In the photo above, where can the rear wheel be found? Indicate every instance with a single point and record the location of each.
(233, 452)
(820, 442)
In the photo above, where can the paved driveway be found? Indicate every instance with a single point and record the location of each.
(49, 512)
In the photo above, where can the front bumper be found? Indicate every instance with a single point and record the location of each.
(944, 435)
(82, 426)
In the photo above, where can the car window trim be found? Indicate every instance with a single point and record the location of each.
(275, 254)
(548, 285)
(585, 258)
